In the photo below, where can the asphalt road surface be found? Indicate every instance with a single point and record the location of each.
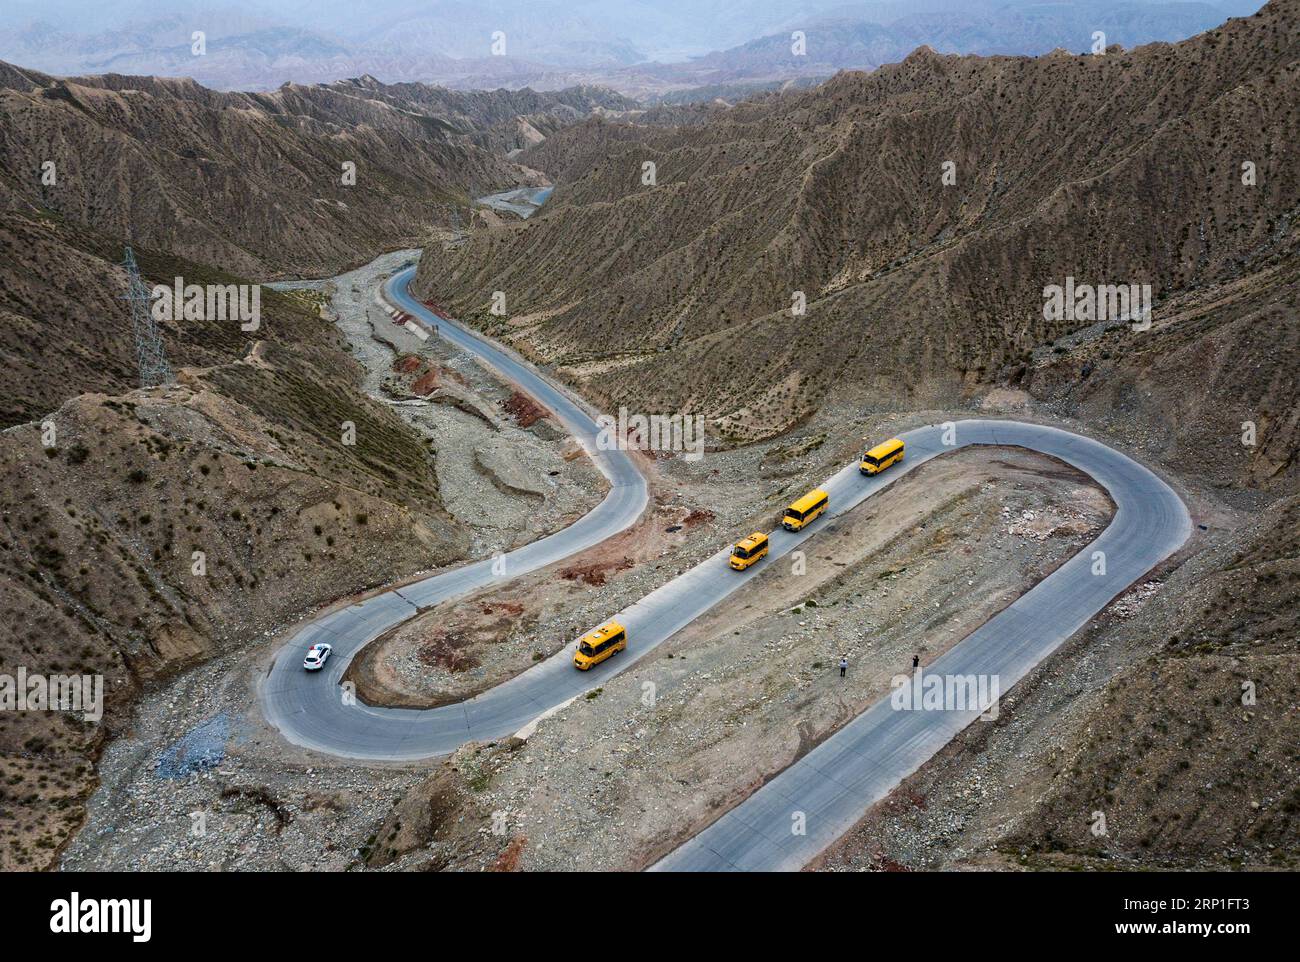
(793, 817)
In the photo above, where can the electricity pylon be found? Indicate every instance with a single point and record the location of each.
(149, 353)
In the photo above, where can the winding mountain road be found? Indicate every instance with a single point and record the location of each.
(809, 805)
(797, 814)
(309, 708)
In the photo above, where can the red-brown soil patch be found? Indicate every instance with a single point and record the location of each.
(425, 383)
(524, 409)
(595, 573)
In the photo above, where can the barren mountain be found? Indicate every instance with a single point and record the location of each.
(112, 499)
(1170, 166)
(921, 211)
(142, 531)
(256, 182)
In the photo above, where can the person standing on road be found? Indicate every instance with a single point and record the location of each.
(844, 664)
(916, 661)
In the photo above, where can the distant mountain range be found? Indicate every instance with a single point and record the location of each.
(548, 45)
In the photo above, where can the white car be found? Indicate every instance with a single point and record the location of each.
(316, 656)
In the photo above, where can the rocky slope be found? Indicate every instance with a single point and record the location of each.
(141, 532)
(255, 182)
(109, 496)
(1211, 715)
(1122, 168)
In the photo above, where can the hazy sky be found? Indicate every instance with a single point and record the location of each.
(659, 29)
(259, 44)
(662, 29)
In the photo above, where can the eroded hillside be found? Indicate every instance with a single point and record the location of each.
(257, 182)
(1122, 168)
(143, 531)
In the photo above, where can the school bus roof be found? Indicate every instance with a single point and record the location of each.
(600, 634)
(756, 538)
(809, 499)
(885, 448)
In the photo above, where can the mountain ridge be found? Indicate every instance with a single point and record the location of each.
(255, 182)
(1119, 168)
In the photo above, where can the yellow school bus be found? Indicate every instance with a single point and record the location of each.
(748, 550)
(595, 646)
(882, 456)
(806, 510)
